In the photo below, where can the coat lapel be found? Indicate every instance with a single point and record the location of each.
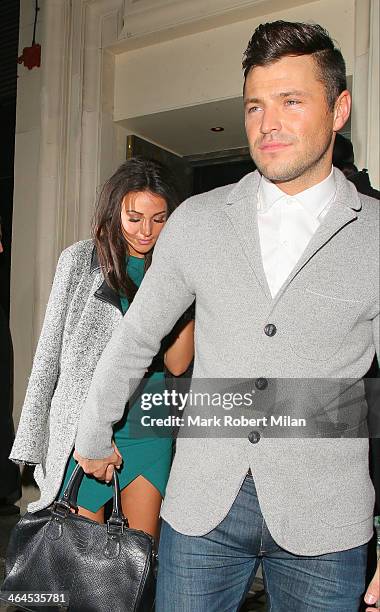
(241, 210)
(104, 293)
(342, 212)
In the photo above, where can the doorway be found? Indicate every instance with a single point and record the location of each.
(197, 173)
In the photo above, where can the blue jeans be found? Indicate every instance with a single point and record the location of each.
(213, 573)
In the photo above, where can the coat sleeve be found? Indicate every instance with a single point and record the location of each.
(163, 296)
(32, 430)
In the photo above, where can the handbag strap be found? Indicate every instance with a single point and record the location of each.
(117, 520)
(68, 501)
(70, 494)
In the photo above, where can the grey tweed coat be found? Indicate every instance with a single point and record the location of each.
(80, 317)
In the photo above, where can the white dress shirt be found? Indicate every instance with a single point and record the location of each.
(287, 223)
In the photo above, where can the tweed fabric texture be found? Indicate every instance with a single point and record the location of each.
(316, 495)
(77, 327)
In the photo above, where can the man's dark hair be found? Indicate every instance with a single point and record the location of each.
(343, 152)
(277, 39)
(343, 156)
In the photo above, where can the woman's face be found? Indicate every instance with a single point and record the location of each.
(143, 215)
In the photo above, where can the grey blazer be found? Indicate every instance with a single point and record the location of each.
(81, 314)
(315, 494)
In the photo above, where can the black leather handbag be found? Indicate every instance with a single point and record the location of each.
(102, 567)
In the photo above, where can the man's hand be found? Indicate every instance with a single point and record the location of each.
(102, 469)
(373, 592)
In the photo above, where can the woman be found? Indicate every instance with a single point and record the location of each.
(94, 284)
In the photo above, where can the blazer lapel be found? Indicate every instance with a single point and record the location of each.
(104, 293)
(342, 212)
(241, 210)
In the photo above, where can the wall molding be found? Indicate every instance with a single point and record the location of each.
(74, 108)
(151, 21)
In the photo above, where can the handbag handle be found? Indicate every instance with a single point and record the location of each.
(68, 501)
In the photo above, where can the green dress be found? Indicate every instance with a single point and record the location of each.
(150, 456)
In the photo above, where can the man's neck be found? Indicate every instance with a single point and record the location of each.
(301, 183)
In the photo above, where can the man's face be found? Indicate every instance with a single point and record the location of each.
(288, 122)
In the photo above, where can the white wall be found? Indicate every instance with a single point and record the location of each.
(28, 125)
(66, 143)
(206, 66)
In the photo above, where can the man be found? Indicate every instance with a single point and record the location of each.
(284, 266)
(10, 487)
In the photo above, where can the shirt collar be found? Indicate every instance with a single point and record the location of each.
(314, 200)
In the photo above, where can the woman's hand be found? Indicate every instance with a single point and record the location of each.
(373, 592)
(102, 469)
(117, 452)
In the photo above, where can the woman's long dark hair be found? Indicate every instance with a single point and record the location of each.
(136, 174)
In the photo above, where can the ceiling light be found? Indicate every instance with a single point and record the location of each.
(218, 128)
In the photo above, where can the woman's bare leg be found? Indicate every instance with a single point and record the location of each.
(94, 516)
(141, 503)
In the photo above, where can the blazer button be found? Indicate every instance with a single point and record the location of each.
(270, 329)
(254, 437)
(261, 383)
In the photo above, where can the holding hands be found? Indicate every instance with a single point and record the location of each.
(102, 469)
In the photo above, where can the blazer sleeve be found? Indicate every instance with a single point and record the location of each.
(163, 296)
(31, 433)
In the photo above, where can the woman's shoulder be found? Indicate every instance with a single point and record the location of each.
(78, 253)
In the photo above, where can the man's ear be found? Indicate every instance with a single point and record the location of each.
(342, 110)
